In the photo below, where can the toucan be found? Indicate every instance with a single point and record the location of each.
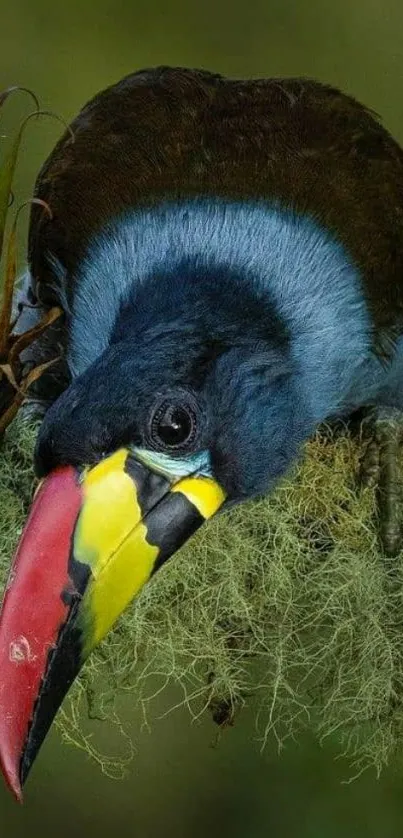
(228, 256)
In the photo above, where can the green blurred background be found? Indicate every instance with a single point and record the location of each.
(180, 782)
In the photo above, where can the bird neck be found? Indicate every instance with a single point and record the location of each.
(245, 266)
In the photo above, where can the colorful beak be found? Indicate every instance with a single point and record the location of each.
(92, 540)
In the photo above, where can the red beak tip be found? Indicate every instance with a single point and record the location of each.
(13, 781)
(17, 792)
(16, 789)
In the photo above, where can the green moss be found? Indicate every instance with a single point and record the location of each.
(286, 602)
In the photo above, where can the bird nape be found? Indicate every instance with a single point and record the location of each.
(229, 259)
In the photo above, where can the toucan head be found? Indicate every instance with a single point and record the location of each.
(183, 412)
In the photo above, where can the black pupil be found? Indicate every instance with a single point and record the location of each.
(174, 425)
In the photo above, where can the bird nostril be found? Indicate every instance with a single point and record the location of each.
(44, 458)
(39, 467)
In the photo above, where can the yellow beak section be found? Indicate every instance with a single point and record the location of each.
(131, 520)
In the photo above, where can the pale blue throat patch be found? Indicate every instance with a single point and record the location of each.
(174, 468)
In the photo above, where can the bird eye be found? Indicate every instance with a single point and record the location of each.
(173, 425)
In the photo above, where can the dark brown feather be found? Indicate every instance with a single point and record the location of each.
(169, 132)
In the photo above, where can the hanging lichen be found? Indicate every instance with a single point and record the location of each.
(285, 602)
